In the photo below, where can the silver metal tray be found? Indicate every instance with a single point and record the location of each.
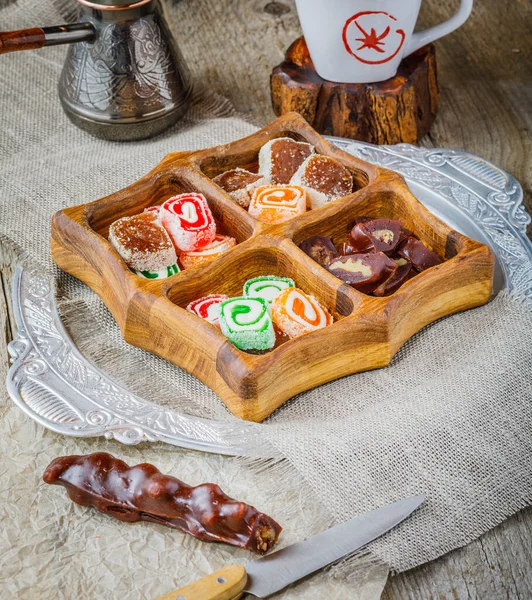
(52, 382)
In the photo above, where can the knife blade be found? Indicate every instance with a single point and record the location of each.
(264, 577)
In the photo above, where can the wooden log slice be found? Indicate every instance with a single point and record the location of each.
(401, 109)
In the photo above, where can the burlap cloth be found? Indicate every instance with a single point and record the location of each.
(450, 418)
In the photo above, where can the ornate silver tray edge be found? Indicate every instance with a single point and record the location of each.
(54, 384)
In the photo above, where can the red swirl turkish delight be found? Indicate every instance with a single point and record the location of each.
(189, 221)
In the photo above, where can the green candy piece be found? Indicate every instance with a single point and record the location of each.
(162, 274)
(246, 323)
(267, 287)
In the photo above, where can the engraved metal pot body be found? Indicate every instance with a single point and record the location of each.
(130, 81)
(124, 77)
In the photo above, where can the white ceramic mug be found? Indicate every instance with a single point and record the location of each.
(363, 41)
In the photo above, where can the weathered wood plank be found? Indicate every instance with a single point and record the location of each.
(485, 75)
(496, 566)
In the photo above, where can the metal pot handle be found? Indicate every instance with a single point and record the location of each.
(38, 37)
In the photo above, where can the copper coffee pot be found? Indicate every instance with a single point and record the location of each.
(124, 77)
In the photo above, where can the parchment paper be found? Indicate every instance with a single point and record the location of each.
(50, 547)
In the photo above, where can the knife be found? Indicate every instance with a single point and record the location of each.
(264, 577)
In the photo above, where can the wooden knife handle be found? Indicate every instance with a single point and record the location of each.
(226, 584)
(24, 39)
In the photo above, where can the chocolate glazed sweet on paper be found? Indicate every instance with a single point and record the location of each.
(143, 493)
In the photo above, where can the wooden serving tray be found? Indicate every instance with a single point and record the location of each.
(367, 332)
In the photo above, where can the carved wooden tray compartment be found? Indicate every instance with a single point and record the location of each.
(367, 331)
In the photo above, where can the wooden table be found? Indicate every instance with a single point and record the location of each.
(485, 75)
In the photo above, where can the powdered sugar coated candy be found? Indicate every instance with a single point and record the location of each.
(160, 274)
(279, 159)
(246, 322)
(239, 184)
(296, 313)
(324, 180)
(153, 209)
(142, 242)
(208, 308)
(207, 253)
(267, 287)
(189, 221)
(277, 204)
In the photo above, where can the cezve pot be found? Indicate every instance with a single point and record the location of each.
(124, 77)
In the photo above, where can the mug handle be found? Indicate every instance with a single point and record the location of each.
(422, 38)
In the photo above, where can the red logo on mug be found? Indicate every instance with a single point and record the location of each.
(371, 37)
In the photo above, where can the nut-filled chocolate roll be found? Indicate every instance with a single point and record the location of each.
(143, 493)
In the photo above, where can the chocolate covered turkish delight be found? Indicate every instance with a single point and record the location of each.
(418, 254)
(321, 249)
(143, 493)
(364, 272)
(280, 158)
(396, 279)
(324, 178)
(346, 249)
(376, 235)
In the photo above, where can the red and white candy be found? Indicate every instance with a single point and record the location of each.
(189, 221)
(208, 308)
(156, 210)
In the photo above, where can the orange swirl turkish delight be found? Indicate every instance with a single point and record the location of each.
(296, 313)
(207, 253)
(278, 203)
